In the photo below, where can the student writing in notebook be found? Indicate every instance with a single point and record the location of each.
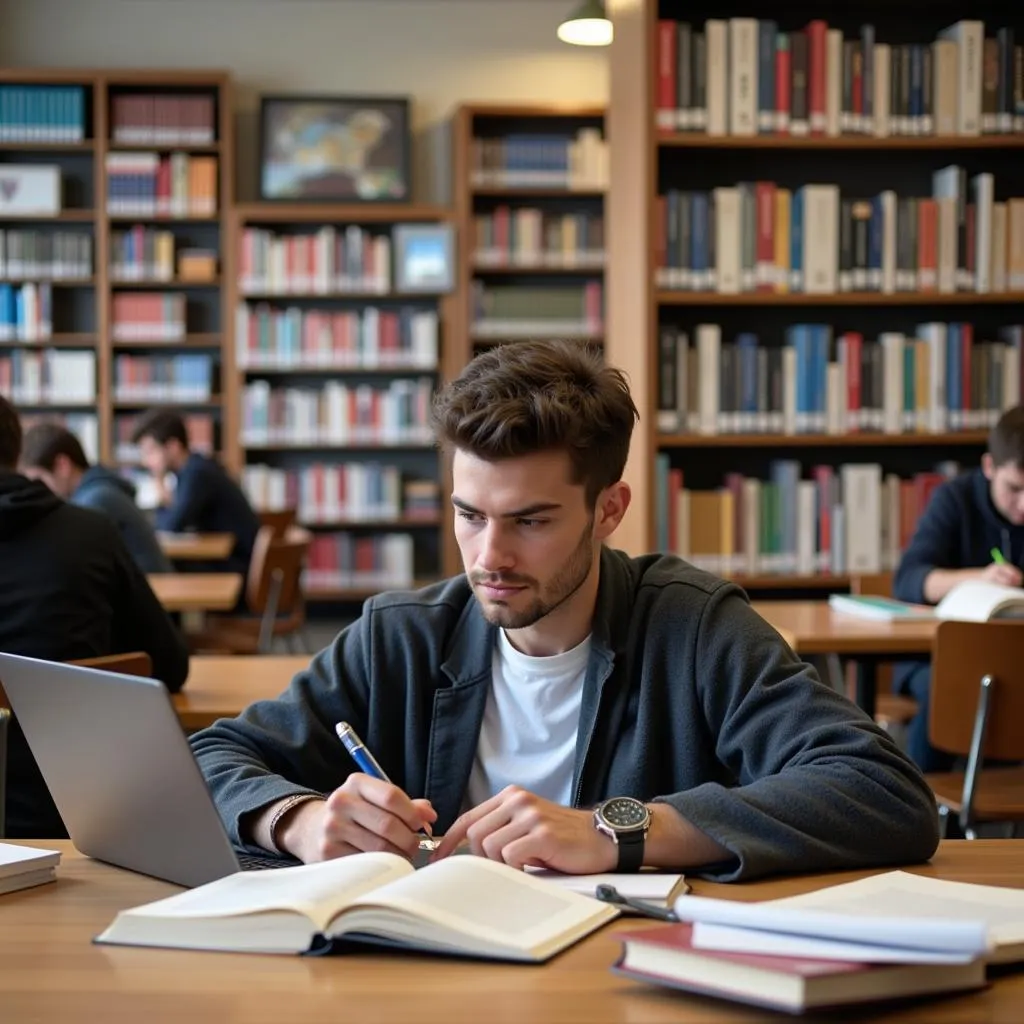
(561, 703)
(967, 519)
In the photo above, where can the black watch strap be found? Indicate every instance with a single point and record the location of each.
(631, 850)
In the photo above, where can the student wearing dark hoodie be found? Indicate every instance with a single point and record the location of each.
(68, 590)
(204, 499)
(967, 519)
(51, 453)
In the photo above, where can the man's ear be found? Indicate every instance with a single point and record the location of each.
(612, 503)
(988, 465)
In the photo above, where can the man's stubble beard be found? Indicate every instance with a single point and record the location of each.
(563, 585)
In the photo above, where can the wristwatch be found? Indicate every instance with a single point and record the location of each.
(625, 821)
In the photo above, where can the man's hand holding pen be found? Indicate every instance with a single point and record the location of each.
(363, 815)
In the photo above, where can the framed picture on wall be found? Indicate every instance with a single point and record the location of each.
(334, 149)
(424, 257)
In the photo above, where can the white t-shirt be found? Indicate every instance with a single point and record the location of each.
(528, 733)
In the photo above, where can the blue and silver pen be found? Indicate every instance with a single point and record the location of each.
(368, 765)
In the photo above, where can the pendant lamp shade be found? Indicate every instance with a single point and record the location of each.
(587, 25)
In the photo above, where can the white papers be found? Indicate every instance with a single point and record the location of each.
(915, 918)
(748, 940)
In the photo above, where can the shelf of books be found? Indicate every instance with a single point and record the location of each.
(836, 246)
(529, 193)
(335, 365)
(110, 249)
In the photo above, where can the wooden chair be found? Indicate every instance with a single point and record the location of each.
(134, 663)
(975, 711)
(891, 709)
(280, 521)
(273, 596)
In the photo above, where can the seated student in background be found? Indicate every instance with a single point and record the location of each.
(507, 704)
(205, 498)
(51, 453)
(968, 518)
(69, 589)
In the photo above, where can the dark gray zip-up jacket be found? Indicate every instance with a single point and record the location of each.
(689, 697)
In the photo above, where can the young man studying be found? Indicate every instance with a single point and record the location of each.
(204, 499)
(510, 704)
(51, 453)
(972, 529)
(68, 590)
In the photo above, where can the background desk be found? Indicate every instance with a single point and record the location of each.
(222, 687)
(203, 547)
(49, 970)
(812, 627)
(196, 591)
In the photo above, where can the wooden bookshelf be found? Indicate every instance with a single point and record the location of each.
(648, 160)
(82, 308)
(434, 550)
(515, 217)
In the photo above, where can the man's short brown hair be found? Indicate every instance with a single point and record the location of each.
(1006, 441)
(162, 425)
(45, 441)
(535, 396)
(10, 435)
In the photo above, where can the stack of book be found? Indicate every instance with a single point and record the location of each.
(884, 937)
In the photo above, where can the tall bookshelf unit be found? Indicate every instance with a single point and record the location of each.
(334, 367)
(733, 412)
(145, 161)
(530, 183)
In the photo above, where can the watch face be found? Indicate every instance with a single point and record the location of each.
(624, 812)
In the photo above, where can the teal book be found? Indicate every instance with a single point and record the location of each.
(887, 609)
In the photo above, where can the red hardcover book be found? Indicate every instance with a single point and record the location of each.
(666, 956)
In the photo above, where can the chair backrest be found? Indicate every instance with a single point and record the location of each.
(132, 663)
(872, 584)
(962, 653)
(281, 557)
(875, 584)
(280, 520)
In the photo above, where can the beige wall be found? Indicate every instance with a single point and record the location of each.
(439, 52)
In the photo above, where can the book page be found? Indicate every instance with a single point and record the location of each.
(977, 600)
(492, 902)
(319, 891)
(900, 894)
(656, 886)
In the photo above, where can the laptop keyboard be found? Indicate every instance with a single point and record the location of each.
(254, 862)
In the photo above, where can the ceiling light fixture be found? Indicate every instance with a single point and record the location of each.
(588, 25)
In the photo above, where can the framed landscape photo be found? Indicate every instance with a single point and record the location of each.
(424, 257)
(334, 149)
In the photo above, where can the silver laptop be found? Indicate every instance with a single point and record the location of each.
(121, 770)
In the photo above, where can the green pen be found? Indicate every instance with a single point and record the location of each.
(997, 557)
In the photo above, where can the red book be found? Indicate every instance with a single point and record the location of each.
(666, 956)
(666, 84)
(816, 75)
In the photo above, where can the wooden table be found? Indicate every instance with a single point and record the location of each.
(49, 970)
(202, 547)
(221, 687)
(812, 627)
(196, 591)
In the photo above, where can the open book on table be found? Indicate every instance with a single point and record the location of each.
(979, 601)
(463, 905)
